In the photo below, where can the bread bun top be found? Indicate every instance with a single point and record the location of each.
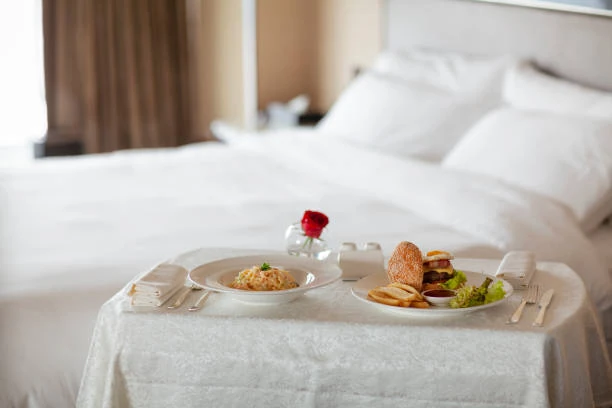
(438, 256)
(406, 265)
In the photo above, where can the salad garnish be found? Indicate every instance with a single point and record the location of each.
(469, 296)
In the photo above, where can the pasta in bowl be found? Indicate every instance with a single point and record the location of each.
(265, 279)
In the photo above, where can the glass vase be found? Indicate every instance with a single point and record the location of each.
(299, 244)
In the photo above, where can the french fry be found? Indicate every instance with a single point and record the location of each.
(396, 293)
(389, 301)
(407, 288)
(384, 300)
(420, 305)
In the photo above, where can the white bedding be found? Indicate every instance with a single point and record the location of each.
(73, 231)
(601, 238)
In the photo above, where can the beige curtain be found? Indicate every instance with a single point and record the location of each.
(122, 65)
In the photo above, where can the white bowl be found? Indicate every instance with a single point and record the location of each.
(439, 297)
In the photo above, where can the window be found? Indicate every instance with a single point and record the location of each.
(23, 115)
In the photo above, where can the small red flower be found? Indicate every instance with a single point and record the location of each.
(313, 223)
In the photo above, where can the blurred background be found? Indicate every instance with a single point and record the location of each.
(89, 76)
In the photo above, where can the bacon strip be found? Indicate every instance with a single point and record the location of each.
(438, 264)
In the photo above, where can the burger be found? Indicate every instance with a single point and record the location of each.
(407, 265)
(437, 269)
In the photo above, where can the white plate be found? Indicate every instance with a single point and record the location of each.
(363, 286)
(309, 273)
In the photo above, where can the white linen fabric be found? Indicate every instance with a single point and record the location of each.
(74, 231)
(329, 349)
(517, 267)
(527, 88)
(567, 158)
(158, 285)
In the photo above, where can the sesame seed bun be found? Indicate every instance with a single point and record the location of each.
(406, 265)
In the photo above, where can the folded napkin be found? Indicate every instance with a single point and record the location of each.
(517, 268)
(158, 285)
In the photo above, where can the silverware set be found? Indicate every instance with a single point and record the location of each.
(184, 293)
(530, 297)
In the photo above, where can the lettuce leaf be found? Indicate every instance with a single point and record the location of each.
(457, 281)
(495, 292)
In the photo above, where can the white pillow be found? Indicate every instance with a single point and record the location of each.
(452, 71)
(567, 158)
(401, 118)
(526, 87)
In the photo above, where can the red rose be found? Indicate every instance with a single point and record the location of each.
(313, 223)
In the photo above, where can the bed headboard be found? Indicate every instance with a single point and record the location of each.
(574, 46)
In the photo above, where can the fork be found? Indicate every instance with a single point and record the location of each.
(183, 295)
(533, 291)
(200, 302)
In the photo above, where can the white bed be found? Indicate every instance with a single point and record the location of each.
(75, 230)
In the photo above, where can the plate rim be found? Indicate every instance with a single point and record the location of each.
(432, 311)
(335, 275)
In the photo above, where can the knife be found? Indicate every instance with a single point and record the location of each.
(543, 305)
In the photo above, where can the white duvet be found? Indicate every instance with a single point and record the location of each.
(74, 231)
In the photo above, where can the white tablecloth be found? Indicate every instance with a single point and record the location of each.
(328, 349)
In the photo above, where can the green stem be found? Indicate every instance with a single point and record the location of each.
(308, 241)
